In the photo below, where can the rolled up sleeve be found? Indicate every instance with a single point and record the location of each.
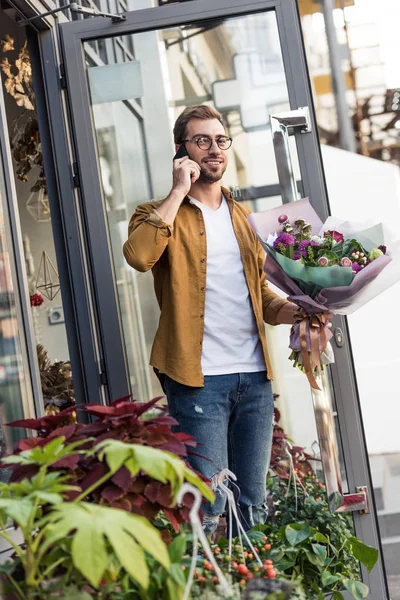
(148, 237)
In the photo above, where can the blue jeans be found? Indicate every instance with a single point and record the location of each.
(231, 418)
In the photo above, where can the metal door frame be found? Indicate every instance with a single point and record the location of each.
(72, 36)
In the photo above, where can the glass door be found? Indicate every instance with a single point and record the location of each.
(126, 83)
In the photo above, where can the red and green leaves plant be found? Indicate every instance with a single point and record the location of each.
(124, 421)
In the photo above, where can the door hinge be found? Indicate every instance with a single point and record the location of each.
(103, 373)
(75, 175)
(63, 79)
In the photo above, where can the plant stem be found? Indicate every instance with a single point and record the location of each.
(18, 590)
(15, 546)
(94, 486)
(51, 568)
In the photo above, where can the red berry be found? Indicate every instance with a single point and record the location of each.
(256, 550)
(268, 562)
(242, 570)
(215, 580)
(271, 573)
(202, 579)
(250, 575)
(234, 564)
(208, 566)
(267, 547)
(242, 582)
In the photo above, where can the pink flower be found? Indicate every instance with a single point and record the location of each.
(323, 261)
(282, 219)
(335, 235)
(346, 262)
(356, 267)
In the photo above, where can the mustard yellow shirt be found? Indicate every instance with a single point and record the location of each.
(177, 255)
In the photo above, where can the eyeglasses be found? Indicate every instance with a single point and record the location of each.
(205, 143)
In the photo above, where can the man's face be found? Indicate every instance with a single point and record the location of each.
(212, 162)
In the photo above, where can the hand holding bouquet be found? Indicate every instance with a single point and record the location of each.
(335, 267)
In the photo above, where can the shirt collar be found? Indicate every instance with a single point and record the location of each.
(226, 193)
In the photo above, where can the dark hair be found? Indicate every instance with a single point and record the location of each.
(194, 112)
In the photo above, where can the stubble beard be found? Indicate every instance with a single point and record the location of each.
(209, 177)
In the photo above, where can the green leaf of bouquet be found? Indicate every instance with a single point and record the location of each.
(337, 596)
(128, 535)
(328, 579)
(356, 588)
(176, 549)
(367, 555)
(297, 533)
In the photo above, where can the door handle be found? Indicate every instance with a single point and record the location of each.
(338, 501)
(282, 126)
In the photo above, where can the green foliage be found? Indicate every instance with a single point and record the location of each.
(113, 553)
(161, 465)
(314, 545)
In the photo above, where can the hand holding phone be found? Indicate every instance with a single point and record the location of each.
(185, 171)
(181, 152)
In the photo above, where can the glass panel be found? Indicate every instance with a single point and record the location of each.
(15, 398)
(369, 190)
(35, 218)
(236, 65)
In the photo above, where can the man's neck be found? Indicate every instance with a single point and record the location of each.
(207, 193)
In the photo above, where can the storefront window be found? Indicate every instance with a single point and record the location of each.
(15, 401)
(35, 219)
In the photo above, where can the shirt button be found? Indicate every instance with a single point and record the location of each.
(202, 232)
(203, 260)
(203, 288)
(201, 316)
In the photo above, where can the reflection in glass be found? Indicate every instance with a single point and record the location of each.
(14, 401)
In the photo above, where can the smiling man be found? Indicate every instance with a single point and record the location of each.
(210, 346)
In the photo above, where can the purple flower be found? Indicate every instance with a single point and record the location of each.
(346, 262)
(356, 267)
(382, 248)
(296, 255)
(303, 246)
(323, 261)
(285, 239)
(282, 219)
(335, 235)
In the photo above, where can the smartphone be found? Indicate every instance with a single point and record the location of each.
(181, 152)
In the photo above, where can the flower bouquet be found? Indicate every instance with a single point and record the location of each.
(333, 267)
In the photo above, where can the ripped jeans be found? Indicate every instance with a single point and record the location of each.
(231, 417)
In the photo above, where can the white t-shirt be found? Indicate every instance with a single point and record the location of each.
(231, 342)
